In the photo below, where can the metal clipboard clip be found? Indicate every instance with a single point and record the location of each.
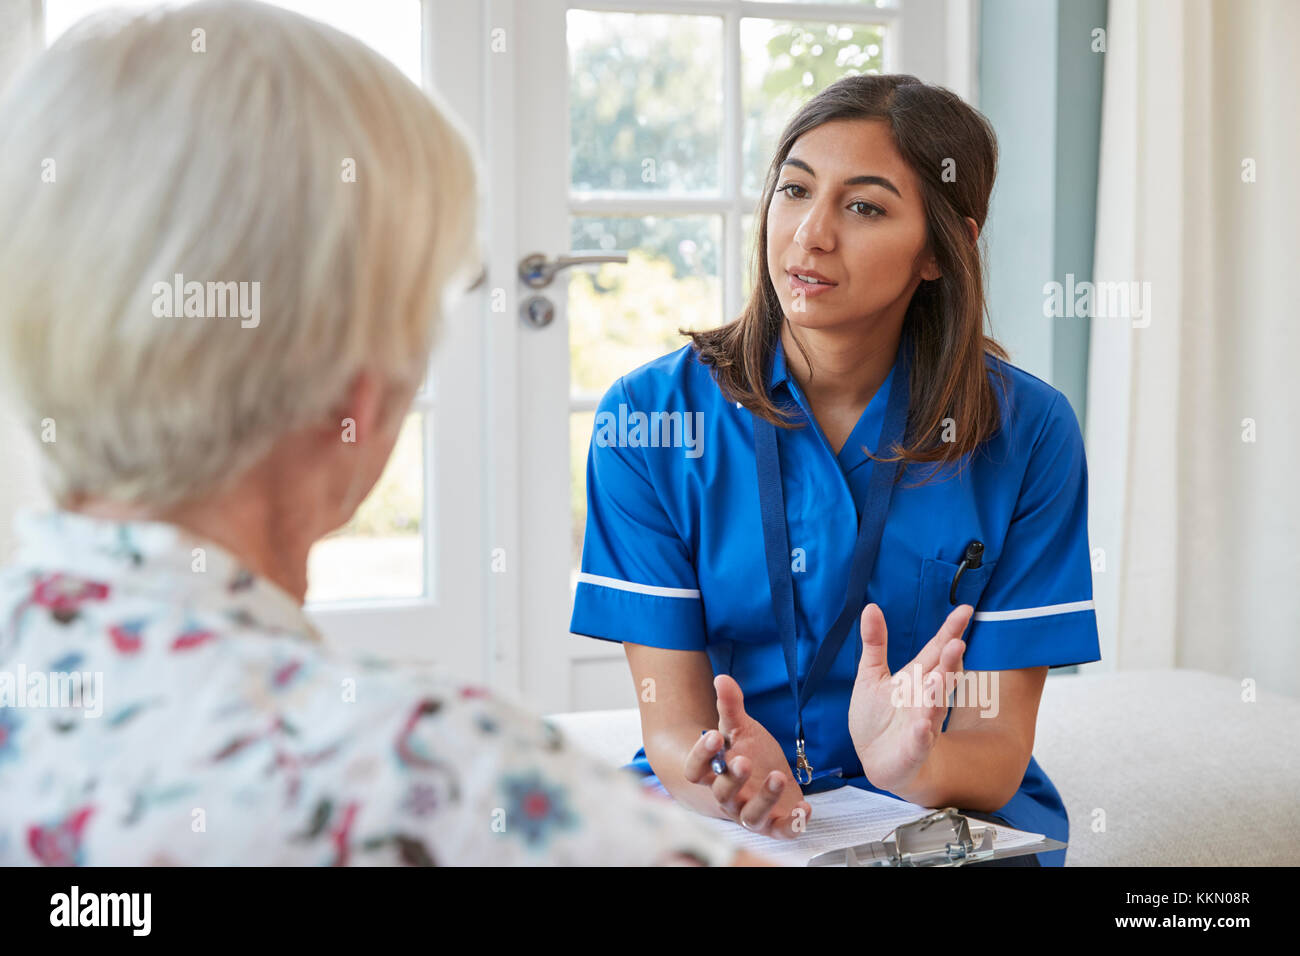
(941, 838)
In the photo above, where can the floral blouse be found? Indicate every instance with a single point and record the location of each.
(161, 705)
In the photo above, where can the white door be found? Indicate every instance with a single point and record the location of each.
(642, 128)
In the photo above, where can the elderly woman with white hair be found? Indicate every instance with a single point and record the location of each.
(195, 450)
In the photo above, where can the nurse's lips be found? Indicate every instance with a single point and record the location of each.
(809, 289)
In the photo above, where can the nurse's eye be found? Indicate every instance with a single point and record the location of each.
(789, 186)
(870, 212)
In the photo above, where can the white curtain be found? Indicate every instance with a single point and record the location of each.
(1193, 420)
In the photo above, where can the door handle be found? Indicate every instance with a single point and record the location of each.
(537, 272)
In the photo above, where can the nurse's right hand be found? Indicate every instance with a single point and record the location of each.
(758, 790)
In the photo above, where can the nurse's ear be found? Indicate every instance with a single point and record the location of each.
(930, 270)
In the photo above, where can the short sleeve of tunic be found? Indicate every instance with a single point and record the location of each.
(1037, 608)
(638, 581)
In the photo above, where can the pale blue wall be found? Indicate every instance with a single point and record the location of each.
(1040, 86)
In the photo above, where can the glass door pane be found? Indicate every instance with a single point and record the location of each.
(622, 316)
(783, 64)
(380, 552)
(645, 103)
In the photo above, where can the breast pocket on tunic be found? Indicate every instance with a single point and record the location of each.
(932, 599)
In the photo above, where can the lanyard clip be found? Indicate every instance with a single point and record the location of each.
(803, 770)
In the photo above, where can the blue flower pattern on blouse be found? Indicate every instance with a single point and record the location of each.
(535, 809)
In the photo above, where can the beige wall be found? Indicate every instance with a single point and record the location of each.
(18, 483)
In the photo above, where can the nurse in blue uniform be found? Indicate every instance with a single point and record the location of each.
(800, 519)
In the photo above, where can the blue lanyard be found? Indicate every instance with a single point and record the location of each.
(776, 544)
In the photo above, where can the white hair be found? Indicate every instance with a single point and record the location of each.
(128, 157)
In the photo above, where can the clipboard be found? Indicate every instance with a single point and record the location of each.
(941, 838)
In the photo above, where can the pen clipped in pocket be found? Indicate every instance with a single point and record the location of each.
(934, 590)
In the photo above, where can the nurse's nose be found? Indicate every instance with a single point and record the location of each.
(816, 232)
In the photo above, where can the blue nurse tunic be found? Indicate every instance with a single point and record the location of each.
(674, 552)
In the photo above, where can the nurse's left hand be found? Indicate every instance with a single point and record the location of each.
(894, 720)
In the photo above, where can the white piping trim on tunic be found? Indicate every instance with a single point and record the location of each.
(1044, 611)
(651, 589)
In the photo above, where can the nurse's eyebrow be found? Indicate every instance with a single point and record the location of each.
(852, 181)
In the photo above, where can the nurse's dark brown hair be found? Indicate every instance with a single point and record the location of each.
(934, 130)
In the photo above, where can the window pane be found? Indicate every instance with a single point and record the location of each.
(580, 426)
(645, 102)
(622, 316)
(391, 27)
(752, 258)
(783, 65)
(380, 552)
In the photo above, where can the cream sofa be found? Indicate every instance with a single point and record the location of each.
(1156, 768)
